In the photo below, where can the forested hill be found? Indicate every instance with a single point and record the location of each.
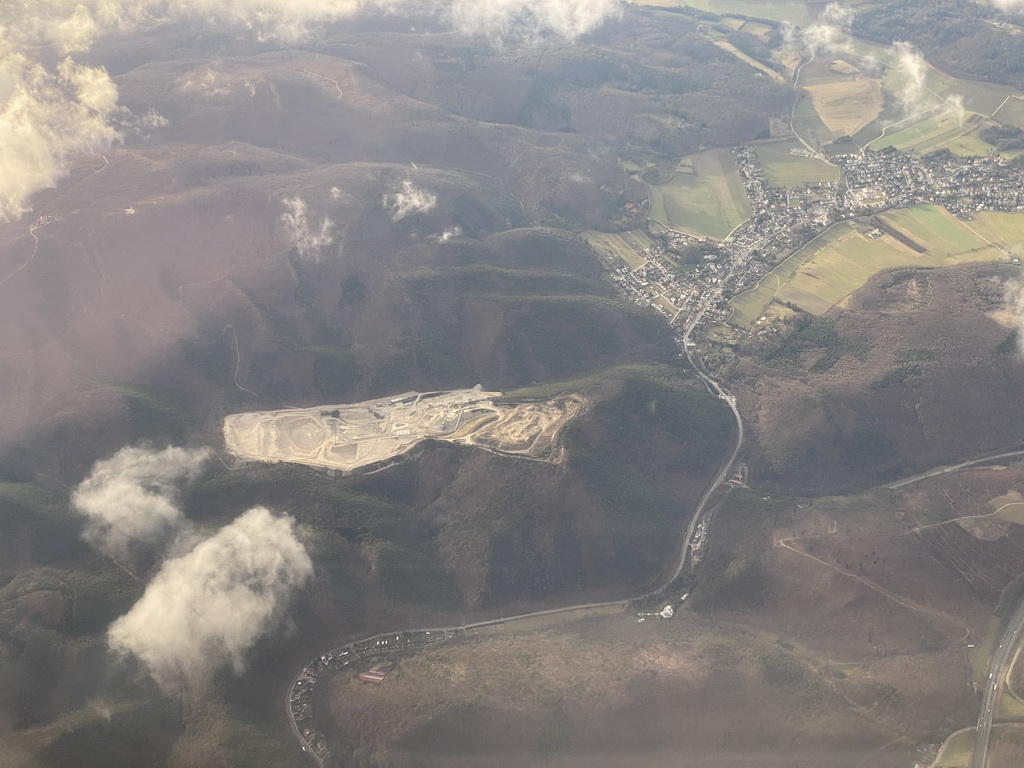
(961, 37)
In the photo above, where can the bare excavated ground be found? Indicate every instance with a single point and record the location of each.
(361, 435)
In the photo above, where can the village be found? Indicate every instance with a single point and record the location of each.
(693, 293)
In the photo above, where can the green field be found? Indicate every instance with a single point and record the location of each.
(725, 45)
(956, 752)
(808, 125)
(613, 247)
(1011, 113)
(784, 169)
(793, 11)
(933, 227)
(750, 305)
(841, 260)
(1005, 228)
(705, 197)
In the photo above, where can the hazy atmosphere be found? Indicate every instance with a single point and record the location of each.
(412, 384)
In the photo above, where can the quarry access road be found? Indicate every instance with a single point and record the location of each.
(997, 670)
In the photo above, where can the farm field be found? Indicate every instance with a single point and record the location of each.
(1007, 228)
(943, 129)
(783, 168)
(936, 229)
(847, 106)
(793, 11)
(615, 246)
(840, 261)
(1011, 113)
(749, 305)
(956, 752)
(809, 126)
(705, 197)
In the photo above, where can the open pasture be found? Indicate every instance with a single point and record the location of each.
(1011, 113)
(784, 169)
(936, 229)
(982, 98)
(1005, 228)
(705, 197)
(838, 268)
(848, 104)
(751, 304)
(809, 126)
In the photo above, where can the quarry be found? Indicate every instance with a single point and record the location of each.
(361, 436)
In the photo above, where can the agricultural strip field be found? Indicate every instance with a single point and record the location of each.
(750, 305)
(848, 105)
(784, 169)
(934, 132)
(615, 247)
(794, 11)
(705, 197)
(841, 260)
(936, 229)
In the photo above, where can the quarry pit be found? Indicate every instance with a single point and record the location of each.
(373, 433)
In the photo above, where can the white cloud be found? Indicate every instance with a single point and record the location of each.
(956, 104)
(133, 497)
(908, 78)
(408, 200)
(206, 84)
(830, 30)
(308, 241)
(206, 609)
(46, 120)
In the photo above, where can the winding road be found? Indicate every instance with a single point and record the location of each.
(685, 547)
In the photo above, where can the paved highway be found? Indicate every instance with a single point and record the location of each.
(996, 674)
(955, 468)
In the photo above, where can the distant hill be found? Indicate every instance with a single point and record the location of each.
(961, 37)
(888, 385)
